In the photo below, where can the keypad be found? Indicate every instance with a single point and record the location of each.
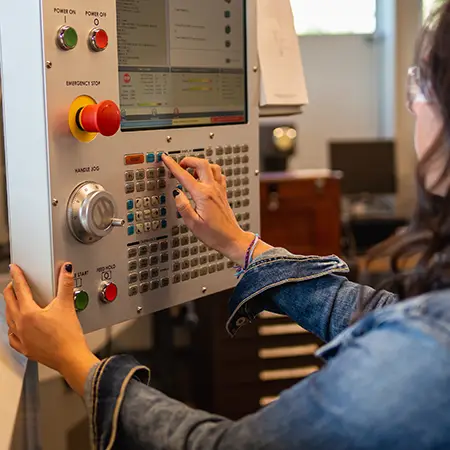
(178, 257)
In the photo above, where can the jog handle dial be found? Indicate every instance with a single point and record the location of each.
(91, 213)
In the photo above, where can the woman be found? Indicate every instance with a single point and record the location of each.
(386, 383)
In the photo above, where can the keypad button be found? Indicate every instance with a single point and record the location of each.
(153, 247)
(129, 175)
(230, 264)
(130, 204)
(237, 171)
(185, 264)
(151, 185)
(129, 188)
(130, 230)
(246, 216)
(184, 240)
(143, 275)
(163, 212)
(159, 157)
(209, 152)
(164, 246)
(229, 194)
(185, 276)
(139, 228)
(154, 285)
(140, 186)
(147, 214)
(155, 225)
(155, 213)
(184, 229)
(154, 260)
(220, 162)
(146, 202)
(245, 159)
(140, 175)
(228, 161)
(246, 202)
(203, 260)
(132, 252)
(164, 258)
(219, 256)
(139, 216)
(202, 248)
(175, 231)
(193, 239)
(245, 148)
(194, 274)
(161, 172)
(176, 254)
(175, 242)
(212, 258)
(228, 172)
(220, 267)
(245, 181)
(236, 149)
(143, 250)
(176, 278)
(246, 227)
(194, 251)
(245, 170)
(237, 204)
(164, 282)
(237, 160)
(139, 203)
(144, 287)
(155, 201)
(237, 182)
(143, 263)
(184, 252)
(150, 158)
(161, 184)
(212, 269)
(237, 193)
(154, 273)
(133, 278)
(162, 199)
(203, 271)
(245, 191)
(219, 150)
(228, 149)
(164, 224)
(239, 217)
(229, 183)
(176, 266)
(130, 217)
(132, 291)
(194, 262)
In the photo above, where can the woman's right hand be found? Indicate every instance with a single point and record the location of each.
(212, 220)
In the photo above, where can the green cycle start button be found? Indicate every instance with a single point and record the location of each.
(81, 299)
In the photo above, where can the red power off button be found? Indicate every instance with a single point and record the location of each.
(98, 39)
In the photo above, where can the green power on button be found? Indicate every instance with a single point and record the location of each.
(67, 38)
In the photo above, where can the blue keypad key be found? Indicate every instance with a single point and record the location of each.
(159, 157)
(162, 199)
(130, 217)
(131, 230)
(179, 187)
(150, 158)
(130, 204)
(163, 212)
(164, 223)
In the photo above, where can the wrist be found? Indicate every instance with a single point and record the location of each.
(238, 247)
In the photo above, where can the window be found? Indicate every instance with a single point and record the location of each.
(335, 17)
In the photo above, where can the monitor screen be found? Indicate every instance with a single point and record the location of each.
(182, 63)
(368, 167)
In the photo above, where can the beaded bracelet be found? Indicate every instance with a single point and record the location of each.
(248, 257)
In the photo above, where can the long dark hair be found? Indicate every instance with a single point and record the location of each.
(428, 235)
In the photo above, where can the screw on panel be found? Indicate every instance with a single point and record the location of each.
(204, 289)
(255, 69)
(55, 202)
(48, 64)
(169, 139)
(256, 173)
(211, 135)
(139, 309)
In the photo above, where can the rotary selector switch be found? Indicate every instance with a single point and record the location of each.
(91, 213)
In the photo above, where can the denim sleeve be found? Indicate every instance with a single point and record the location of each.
(309, 289)
(369, 396)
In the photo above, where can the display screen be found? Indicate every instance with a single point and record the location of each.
(182, 63)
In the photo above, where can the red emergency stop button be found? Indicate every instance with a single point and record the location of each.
(103, 118)
(108, 292)
(98, 39)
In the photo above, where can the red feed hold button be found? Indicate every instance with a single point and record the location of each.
(98, 39)
(109, 292)
(103, 118)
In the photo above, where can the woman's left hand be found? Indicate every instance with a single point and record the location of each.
(52, 335)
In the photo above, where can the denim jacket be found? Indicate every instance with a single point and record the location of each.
(385, 385)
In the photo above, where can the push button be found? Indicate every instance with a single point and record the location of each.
(98, 39)
(103, 118)
(108, 292)
(130, 204)
(67, 38)
(81, 299)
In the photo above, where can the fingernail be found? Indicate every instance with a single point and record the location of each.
(68, 268)
(9, 267)
(166, 154)
(176, 193)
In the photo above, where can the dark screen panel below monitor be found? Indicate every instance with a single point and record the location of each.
(368, 166)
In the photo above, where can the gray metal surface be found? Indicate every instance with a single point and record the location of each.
(45, 164)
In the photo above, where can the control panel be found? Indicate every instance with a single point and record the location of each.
(99, 91)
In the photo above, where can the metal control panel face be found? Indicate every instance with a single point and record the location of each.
(125, 81)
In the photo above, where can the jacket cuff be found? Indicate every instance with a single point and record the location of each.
(104, 393)
(273, 269)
